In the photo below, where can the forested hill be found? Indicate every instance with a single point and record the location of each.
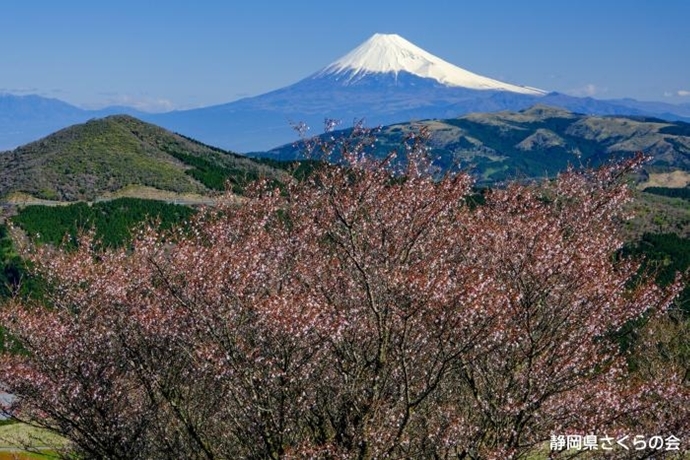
(103, 156)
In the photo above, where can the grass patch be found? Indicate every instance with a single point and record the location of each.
(22, 441)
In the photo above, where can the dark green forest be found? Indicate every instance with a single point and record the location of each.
(235, 178)
(664, 255)
(213, 176)
(12, 270)
(683, 193)
(113, 220)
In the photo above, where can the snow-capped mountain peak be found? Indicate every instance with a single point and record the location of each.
(391, 53)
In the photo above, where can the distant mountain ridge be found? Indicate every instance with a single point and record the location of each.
(536, 142)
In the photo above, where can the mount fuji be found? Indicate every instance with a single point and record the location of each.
(391, 55)
(384, 80)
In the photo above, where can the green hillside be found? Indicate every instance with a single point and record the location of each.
(102, 156)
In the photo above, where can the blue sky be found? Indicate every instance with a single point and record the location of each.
(160, 55)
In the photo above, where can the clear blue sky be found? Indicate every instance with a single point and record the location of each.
(157, 54)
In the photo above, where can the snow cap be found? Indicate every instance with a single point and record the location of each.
(384, 53)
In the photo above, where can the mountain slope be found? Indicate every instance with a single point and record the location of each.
(536, 142)
(86, 161)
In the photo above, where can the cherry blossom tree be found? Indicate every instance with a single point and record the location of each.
(359, 313)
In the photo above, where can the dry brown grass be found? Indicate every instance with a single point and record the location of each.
(675, 179)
